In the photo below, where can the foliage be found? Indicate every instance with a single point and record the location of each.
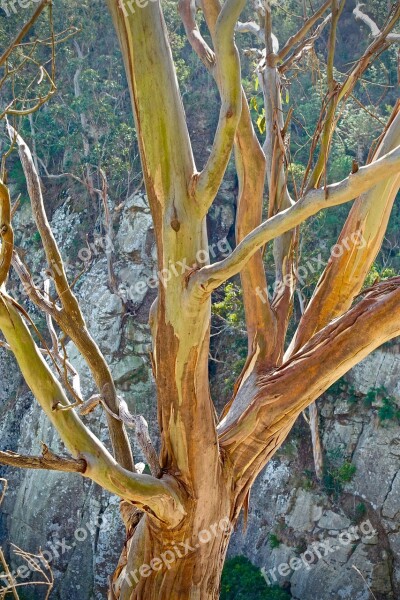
(230, 307)
(387, 406)
(360, 511)
(274, 541)
(241, 580)
(229, 327)
(336, 474)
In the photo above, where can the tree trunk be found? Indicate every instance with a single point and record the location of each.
(184, 563)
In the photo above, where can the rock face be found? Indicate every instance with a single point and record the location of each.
(294, 517)
(84, 545)
(336, 539)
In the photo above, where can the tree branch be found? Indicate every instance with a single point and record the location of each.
(229, 85)
(70, 317)
(360, 241)
(279, 198)
(251, 170)
(302, 32)
(250, 27)
(375, 31)
(210, 277)
(136, 422)
(6, 233)
(187, 11)
(152, 80)
(48, 461)
(257, 425)
(155, 496)
(305, 46)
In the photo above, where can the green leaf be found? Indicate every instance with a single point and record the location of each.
(253, 103)
(261, 123)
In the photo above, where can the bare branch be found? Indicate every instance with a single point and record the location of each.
(375, 31)
(48, 461)
(153, 82)
(148, 493)
(299, 35)
(305, 46)
(255, 29)
(70, 317)
(139, 424)
(211, 276)
(257, 425)
(229, 85)
(187, 10)
(136, 422)
(6, 233)
(251, 170)
(33, 292)
(251, 27)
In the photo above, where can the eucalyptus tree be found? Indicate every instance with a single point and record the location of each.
(179, 519)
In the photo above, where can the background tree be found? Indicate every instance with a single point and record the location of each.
(204, 472)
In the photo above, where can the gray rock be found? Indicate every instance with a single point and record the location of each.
(331, 520)
(381, 368)
(306, 511)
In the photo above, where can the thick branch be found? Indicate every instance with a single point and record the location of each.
(229, 85)
(251, 169)
(359, 241)
(211, 276)
(279, 197)
(48, 461)
(375, 31)
(70, 317)
(257, 425)
(6, 233)
(153, 83)
(148, 493)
